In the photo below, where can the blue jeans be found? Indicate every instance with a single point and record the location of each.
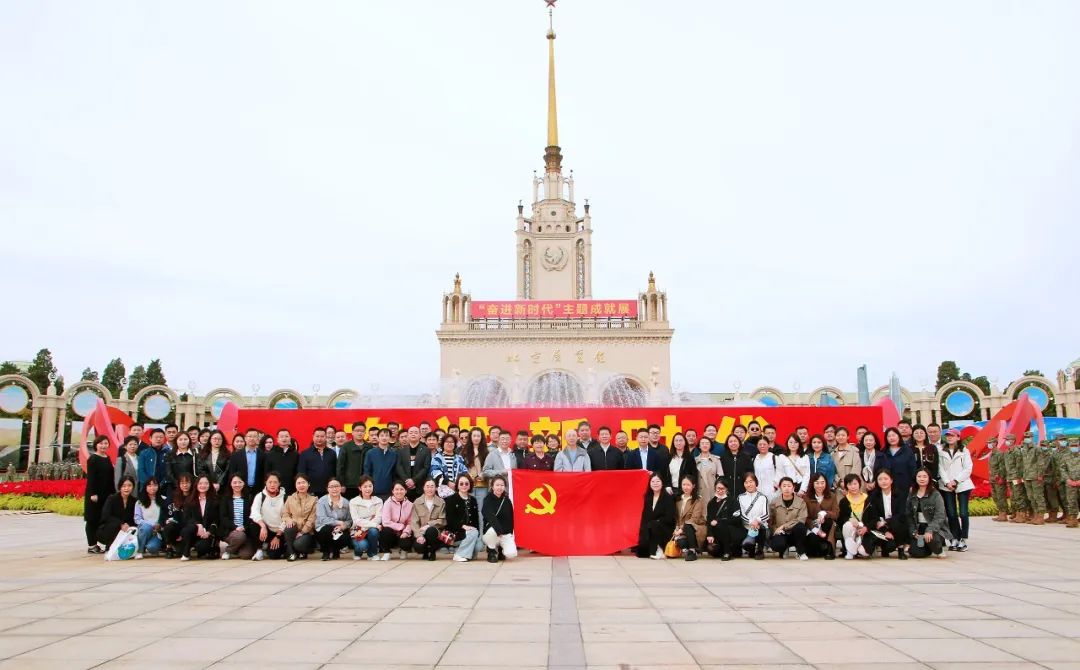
(958, 519)
(149, 541)
(467, 547)
(368, 542)
(480, 494)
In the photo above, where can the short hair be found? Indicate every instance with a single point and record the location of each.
(654, 425)
(423, 421)
(907, 421)
(155, 431)
(358, 425)
(522, 433)
(318, 429)
(828, 426)
(623, 432)
(640, 431)
(384, 430)
(393, 423)
(537, 438)
(252, 429)
(748, 476)
(583, 423)
(852, 477)
(364, 479)
(191, 428)
(129, 439)
(708, 426)
(283, 430)
(171, 425)
(452, 427)
(788, 480)
(602, 429)
(754, 422)
(767, 426)
(933, 424)
(272, 473)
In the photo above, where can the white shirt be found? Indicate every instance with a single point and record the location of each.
(888, 505)
(507, 459)
(644, 458)
(673, 467)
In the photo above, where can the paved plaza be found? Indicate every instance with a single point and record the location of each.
(1012, 602)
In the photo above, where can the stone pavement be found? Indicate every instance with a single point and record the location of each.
(1011, 602)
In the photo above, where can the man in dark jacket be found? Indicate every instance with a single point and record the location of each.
(350, 461)
(603, 455)
(414, 463)
(284, 459)
(381, 464)
(318, 463)
(585, 437)
(250, 463)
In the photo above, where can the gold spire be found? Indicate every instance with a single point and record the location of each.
(457, 283)
(652, 282)
(552, 154)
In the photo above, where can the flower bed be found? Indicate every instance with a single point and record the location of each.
(65, 506)
(46, 488)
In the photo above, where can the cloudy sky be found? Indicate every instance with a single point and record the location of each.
(273, 193)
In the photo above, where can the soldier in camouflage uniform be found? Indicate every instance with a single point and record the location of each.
(1057, 448)
(1069, 469)
(1014, 472)
(1036, 460)
(997, 478)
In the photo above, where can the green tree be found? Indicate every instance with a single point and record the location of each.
(154, 374)
(112, 375)
(89, 375)
(137, 381)
(40, 369)
(1032, 373)
(8, 368)
(982, 382)
(947, 372)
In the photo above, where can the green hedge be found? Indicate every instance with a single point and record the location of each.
(65, 506)
(982, 507)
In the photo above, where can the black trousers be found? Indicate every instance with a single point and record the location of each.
(107, 531)
(688, 540)
(253, 534)
(431, 542)
(189, 540)
(934, 546)
(653, 536)
(327, 543)
(390, 539)
(820, 546)
(739, 534)
(795, 537)
(351, 492)
(92, 516)
(723, 540)
(297, 543)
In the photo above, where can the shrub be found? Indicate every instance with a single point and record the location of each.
(66, 506)
(45, 487)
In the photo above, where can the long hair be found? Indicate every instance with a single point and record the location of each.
(144, 498)
(470, 452)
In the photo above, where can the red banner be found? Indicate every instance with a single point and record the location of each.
(539, 420)
(553, 309)
(577, 514)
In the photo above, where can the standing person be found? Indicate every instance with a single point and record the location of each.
(127, 465)
(149, 515)
(905, 429)
(319, 464)
(537, 459)
(429, 519)
(845, 457)
(200, 522)
(284, 459)
(350, 461)
(572, 458)
(267, 529)
(794, 463)
(396, 521)
(182, 460)
(710, 432)
(585, 437)
(463, 519)
(340, 437)
(753, 430)
(787, 521)
(235, 511)
(502, 460)
(99, 486)
(331, 439)
(204, 439)
(929, 525)
(414, 461)
(734, 465)
(381, 464)
(118, 514)
(754, 514)
(765, 468)
(298, 520)
(214, 460)
(708, 466)
(680, 464)
(657, 520)
(1014, 469)
(475, 454)
(332, 519)
(603, 455)
(822, 461)
(899, 460)
(721, 516)
(1070, 482)
(822, 510)
(366, 512)
(886, 516)
(498, 516)
(869, 448)
(853, 529)
(689, 518)
(693, 440)
(997, 474)
(622, 441)
(645, 457)
(955, 476)
(830, 437)
(933, 435)
(926, 452)
(152, 462)
(446, 465)
(1033, 479)
(171, 431)
(266, 443)
(248, 462)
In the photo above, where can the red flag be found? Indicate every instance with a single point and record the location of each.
(577, 514)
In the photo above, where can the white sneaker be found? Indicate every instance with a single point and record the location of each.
(259, 555)
(385, 557)
(185, 558)
(941, 555)
(803, 557)
(849, 557)
(659, 555)
(460, 559)
(356, 558)
(861, 550)
(402, 554)
(225, 556)
(138, 557)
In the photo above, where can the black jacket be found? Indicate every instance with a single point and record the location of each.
(209, 519)
(226, 522)
(350, 463)
(688, 468)
(723, 513)
(99, 480)
(598, 460)
(420, 469)
(318, 468)
(656, 461)
(285, 464)
(874, 511)
(661, 518)
(461, 512)
(217, 471)
(118, 513)
(735, 468)
(177, 463)
(498, 514)
(238, 466)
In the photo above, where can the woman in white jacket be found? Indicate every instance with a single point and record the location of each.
(268, 531)
(366, 512)
(794, 463)
(954, 471)
(766, 467)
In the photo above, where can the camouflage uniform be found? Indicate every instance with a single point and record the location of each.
(1054, 505)
(997, 479)
(1069, 467)
(1014, 473)
(1036, 459)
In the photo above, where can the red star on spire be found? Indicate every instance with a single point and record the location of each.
(550, 3)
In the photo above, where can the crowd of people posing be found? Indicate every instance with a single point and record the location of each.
(374, 491)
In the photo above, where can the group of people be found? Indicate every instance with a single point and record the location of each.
(1034, 481)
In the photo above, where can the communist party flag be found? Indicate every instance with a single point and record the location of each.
(577, 514)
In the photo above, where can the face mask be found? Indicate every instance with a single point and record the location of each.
(1063, 443)
(1075, 450)
(1027, 441)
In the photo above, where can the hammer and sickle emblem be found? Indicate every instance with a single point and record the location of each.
(546, 503)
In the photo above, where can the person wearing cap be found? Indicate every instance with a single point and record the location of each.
(954, 473)
(1053, 498)
(995, 453)
(1070, 482)
(1034, 478)
(1014, 473)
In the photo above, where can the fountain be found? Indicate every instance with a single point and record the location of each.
(486, 392)
(555, 389)
(624, 392)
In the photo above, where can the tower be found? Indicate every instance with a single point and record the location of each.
(554, 245)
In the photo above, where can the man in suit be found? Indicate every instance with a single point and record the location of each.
(284, 459)
(604, 455)
(585, 438)
(318, 463)
(350, 461)
(250, 463)
(414, 463)
(648, 457)
(521, 447)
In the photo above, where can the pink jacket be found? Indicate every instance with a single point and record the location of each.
(396, 515)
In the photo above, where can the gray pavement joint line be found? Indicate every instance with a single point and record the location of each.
(566, 649)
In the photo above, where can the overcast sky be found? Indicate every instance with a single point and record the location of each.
(279, 193)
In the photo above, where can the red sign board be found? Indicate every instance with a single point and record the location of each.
(553, 309)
